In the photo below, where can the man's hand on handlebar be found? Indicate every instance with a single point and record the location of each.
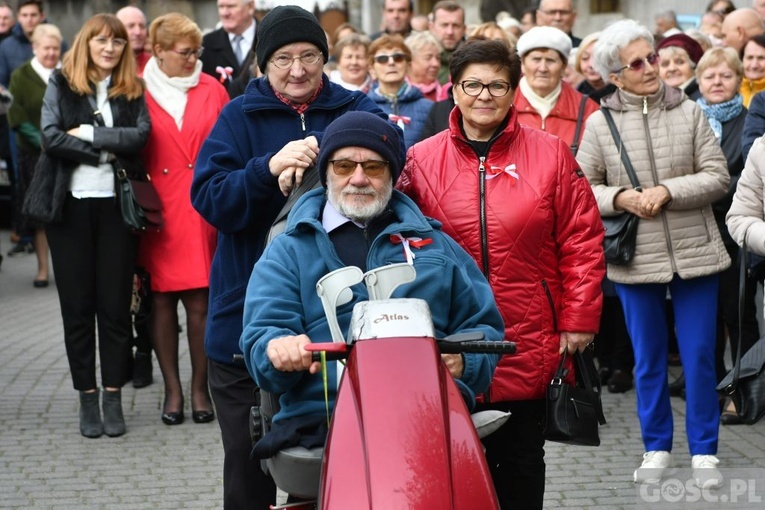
(287, 354)
(455, 363)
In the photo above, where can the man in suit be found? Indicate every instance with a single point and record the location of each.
(227, 47)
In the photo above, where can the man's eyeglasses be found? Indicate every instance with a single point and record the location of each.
(187, 54)
(554, 13)
(117, 43)
(475, 88)
(371, 167)
(308, 58)
(638, 64)
(384, 59)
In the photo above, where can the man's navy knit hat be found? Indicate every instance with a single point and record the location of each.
(287, 24)
(362, 129)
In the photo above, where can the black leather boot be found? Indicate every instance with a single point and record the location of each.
(142, 370)
(90, 415)
(114, 421)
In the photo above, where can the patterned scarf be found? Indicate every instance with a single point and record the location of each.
(718, 114)
(299, 107)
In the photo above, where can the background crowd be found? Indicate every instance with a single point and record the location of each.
(509, 146)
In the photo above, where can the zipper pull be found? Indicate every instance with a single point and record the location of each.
(645, 106)
(302, 121)
(481, 168)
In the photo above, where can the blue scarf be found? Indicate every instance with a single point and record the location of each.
(719, 114)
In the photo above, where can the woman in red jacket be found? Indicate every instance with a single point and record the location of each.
(184, 104)
(544, 100)
(515, 199)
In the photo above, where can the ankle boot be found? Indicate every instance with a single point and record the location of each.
(90, 415)
(114, 421)
(142, 370)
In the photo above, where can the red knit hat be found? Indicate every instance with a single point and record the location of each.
(688, 43)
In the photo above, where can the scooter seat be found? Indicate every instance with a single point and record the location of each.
(486, 422)
(297, 471)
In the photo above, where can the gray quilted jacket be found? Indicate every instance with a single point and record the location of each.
(669, 142)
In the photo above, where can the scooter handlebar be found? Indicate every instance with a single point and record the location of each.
(476, 347)
(338, 351)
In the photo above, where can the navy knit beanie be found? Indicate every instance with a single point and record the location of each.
(287, 24)
(362, 129)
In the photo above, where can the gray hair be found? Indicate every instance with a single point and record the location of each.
(668, 15)
(418, 41)
(614, 39)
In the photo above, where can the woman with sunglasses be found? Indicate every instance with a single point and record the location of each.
(389, 60)
(93, 112)
(515, 199)
(682, 171)
(184, 104)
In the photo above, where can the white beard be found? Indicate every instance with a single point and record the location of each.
(360, 212)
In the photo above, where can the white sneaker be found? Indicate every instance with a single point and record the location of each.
(705, 471)
(655, 463)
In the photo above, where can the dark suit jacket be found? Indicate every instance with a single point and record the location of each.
(218, 52)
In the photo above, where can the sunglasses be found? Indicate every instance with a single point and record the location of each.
(372, 167)
(396, 57)
(637, 65)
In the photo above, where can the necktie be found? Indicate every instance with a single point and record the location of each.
(237, 46)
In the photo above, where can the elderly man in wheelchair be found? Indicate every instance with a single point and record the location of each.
(357, 221)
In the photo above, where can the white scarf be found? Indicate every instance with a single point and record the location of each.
(543, 105)
(42, 71)
(170, 93)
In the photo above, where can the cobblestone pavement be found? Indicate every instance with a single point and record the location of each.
(46, 463)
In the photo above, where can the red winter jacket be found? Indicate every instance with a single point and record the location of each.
(561, 121)
(543, 231)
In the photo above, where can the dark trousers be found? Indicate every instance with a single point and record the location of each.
(93, 256)
(245, 486)
(613, 347)
(728, 314)
(515, 454)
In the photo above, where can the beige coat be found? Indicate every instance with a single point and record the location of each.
(669, 142)
(746, 216)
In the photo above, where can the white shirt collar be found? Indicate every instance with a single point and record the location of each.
(332, 219)
(248, 36)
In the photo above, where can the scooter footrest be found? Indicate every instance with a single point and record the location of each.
(297, 471)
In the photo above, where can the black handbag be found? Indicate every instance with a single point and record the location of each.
(621, 230)
(573, 412)
(745, 384)
(140, 204)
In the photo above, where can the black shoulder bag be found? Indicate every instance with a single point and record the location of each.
(140, 205)
(746, 382)
(621, 230)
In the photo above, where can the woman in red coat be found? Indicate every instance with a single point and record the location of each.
(543, 99)
(515, 199)
(184, 103)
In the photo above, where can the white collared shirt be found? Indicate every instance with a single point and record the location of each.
(332, 219)
(248, 37)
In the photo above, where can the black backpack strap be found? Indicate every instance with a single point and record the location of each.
(579, 122)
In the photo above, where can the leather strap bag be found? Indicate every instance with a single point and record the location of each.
(745, 384)
(573, 412)
(579, 122)
(621, 230)
(139, 201)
